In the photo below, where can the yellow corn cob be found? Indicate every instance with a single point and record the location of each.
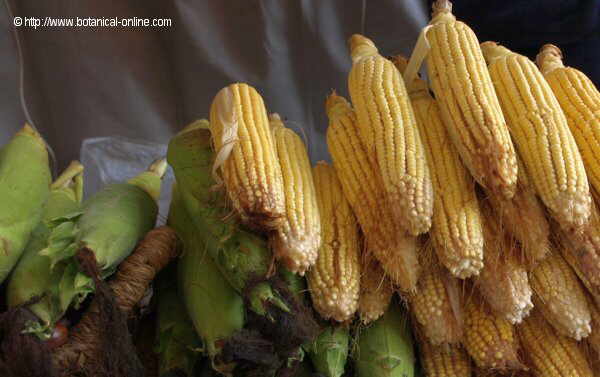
(437, 304)
(389, 131)
(490, 340)
(582, 251)
(524, 218)
(334, 280)
(594, 339)
(456, 227)
(560, 297)
(580, 101)
(444, 360)
(395, 250)
(246, 156)
(297, 242)
(542, 136)
(468, 103)
(551, 354)
(503, 282)
(376, 290)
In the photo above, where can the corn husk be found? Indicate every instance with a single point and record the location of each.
(32, 276)
(329, 352)
(24, 188)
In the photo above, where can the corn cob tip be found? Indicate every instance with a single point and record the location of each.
(336, 105)
(67, 177)
(274, 117)
(28, 130)
(493, 50)
(361, 47)
(158, 167)
(197, 124)
(549, 58)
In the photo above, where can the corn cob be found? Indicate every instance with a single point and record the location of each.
(242, 257)
(214, 308)
(389, 132)
(385, 348)
(297, 242)
(580, 101)
(362, 185)
(23, 193)
(246, 156)
(329, 352)
(109, 224)
(444, 360)
(489, 339)
(560, 297)
(503, 282)
(456, 227)
(551, 354)
(542, 136)
(335, 280)
(582, 252)
(437, 305)
(376, 290)
(468, 103)
(32, 276)
(524, 218)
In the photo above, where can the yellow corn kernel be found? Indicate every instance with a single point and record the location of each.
(361, 181)
(297, 242)
(468, 103)
(560, 297)
(437, 304)
(246, 156)
(503, 282)
(524, 218)
(580, 100)
(550, 354)
(489, 339)
(444, 360)
(376, 290)
(456, 227)
(542, 136)
(389, 132)
(334, 280)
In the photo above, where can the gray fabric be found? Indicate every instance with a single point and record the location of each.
(147, 83)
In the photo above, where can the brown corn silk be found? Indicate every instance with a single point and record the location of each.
(376, 290)
(297, 242)
(388, 129)
(468, 102)
(334, 280)
(246, 156)
(542, 136)
(362, 185)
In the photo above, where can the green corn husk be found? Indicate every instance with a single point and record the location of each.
(110, 224)
(385, 348)
(241, 256)
(24, 187)
(177, 345)
(329, 351)
(32, 276)
(215, 309)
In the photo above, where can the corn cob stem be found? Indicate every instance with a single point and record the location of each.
(389, 133)
(297, 242)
